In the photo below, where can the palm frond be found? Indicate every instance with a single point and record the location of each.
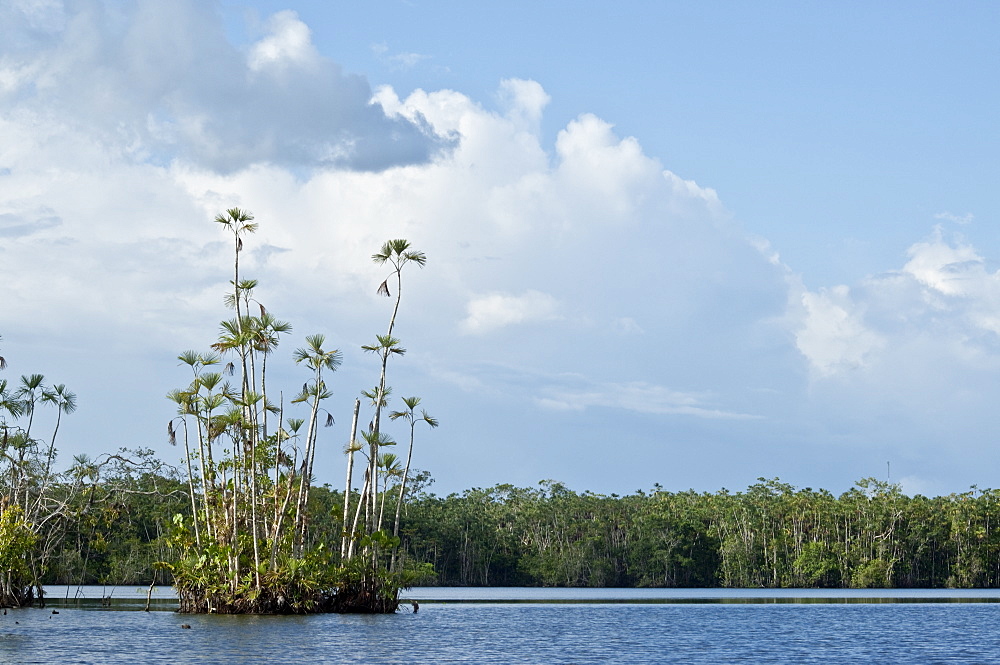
(430, 420)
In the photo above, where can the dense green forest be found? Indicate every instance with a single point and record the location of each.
(769, 535)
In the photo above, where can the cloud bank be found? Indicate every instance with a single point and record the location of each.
(578, 296)
(159, 82)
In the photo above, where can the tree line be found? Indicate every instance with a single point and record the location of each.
(769, 535)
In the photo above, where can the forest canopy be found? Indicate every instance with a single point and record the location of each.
(771, 534)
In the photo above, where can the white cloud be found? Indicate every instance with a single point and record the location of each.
(942, 297)
(289, 43)
(159, 81)
(586, 258)
(398, 61)
(524, 102)
(950, 270)
(912, 485)
(498, 310)
(956, 219)
(833, 335)
(638, 397)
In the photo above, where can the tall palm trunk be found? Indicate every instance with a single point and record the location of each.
(350, 472)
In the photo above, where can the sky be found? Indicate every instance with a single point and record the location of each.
(691, 244)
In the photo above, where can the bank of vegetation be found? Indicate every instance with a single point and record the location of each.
(771, 534)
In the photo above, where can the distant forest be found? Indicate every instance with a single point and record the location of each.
(770, 535)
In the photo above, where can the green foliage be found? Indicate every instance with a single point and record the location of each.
(17, 541)
(817, 565)
(203, 577)
(769, 535)
(254, 539)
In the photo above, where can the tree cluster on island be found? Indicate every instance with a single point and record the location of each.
(241, 541)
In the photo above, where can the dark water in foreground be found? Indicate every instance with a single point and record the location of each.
(613, 626)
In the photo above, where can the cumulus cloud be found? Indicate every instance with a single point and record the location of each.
(587, 251)
(524, 102)
(943, 298)
(948, 269)
(289, 44)
(833, 335)
(128, 126)
(497, 310)
(159, 82)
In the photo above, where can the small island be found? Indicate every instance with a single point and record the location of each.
(244, 543)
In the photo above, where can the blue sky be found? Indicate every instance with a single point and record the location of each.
(690, 244)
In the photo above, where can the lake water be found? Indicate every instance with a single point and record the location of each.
(530, 626)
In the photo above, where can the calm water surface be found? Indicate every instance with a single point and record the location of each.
(528, 626)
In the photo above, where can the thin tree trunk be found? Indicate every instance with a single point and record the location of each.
(307, 455)
(350, 473)
(194, 504)
(402, 484)
(357, 516)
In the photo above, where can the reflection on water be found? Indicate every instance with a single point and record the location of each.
(111, 597)
(520, 633)
(698, 596)
(165, 598)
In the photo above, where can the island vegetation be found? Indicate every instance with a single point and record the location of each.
(240, 536)
(246, 545)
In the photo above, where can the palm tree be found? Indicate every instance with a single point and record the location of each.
(29, 394)
(201, 407)
(9, 404)
(375, 441)
(240, 223)
(185, 406)
(385, 346)
(65, 402)
(281, 459)
(317, 359)
(397, 253)
(264, 340)
(409, 414)
(389, 467)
